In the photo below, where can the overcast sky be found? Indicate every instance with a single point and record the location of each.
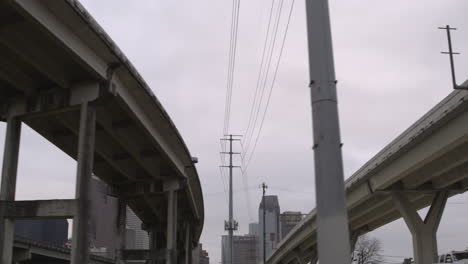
(390, 73)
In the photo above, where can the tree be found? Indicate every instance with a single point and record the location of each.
(368, 251)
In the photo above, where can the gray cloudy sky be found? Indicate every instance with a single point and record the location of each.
(389, 69)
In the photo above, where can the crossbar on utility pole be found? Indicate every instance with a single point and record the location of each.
(231, 224)
(448, 29)
(332, 220)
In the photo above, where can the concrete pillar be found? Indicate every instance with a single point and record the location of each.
(81, 223)
(188, 244)
(121, 230)
(8, 187)
(171, 257)
(423, 232)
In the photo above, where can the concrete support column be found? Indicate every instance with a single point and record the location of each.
(81, 223)
(188, 244)
(171, 243)
(122, 230)
(423, 232)
(8, 187)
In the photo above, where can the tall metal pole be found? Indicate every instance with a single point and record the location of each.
(451, 53)
(332, 220)
(264, 186)
(231, 224)
(231, 220)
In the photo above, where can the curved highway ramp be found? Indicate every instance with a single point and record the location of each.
(65, 78)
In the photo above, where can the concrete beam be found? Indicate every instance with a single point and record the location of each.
(147, 119)
(14, 76)
(45, 209)
(39, 12)
(8, 186)
(13, 40)
(132, 190)
(171, 233)
(55, 101)
(103, 150)
(173, 185)
(452, 176)
(423, 231)
(122, 136)
(144, 254)
(21, 254)
(81, 227)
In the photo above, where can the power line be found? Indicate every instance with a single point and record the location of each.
(230, 80)
(231, 63)
(265, 75)
(272, 84)
(245, 183)
(261, 69)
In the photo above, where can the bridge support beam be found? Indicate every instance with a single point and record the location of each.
(188, 244)
(171, 241)
(81, 222)
(122, 221)
(8, 187)
(423, 232)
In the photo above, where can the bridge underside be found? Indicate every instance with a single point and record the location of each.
(61, 75)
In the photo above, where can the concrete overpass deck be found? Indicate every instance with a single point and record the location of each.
(29, 251)
(63, 76)
(430, 158)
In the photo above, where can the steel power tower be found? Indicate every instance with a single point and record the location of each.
(230, 225)
(332, 219)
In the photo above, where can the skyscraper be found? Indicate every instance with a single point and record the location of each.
(104, 213)
(289, 220)
(272, 225)
(245, 249)
(253, 229)
(105, 222)
(141, 239)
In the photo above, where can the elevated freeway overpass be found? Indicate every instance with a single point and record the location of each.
(63, 76)
(422, 167)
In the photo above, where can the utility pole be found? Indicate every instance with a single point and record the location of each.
(448, 29)
(332, 220)
(264, 187)
(231, 224)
